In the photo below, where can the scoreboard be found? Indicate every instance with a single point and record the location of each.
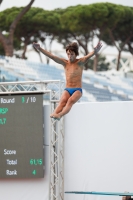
(21, 136)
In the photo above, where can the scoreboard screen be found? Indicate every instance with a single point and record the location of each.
(21, 136)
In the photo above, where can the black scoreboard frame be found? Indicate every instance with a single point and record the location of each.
(21, 135)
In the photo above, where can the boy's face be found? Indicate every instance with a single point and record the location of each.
(71, 56)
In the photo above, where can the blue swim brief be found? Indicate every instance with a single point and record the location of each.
(72, 90)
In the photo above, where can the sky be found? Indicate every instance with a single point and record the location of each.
(53, 4)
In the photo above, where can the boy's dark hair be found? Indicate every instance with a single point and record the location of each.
(73, 47)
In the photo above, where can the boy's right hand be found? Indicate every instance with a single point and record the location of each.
(98, 47)
(36, 46)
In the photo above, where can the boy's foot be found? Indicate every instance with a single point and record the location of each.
(52, 115)
(55, 116)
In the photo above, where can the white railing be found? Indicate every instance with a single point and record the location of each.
(126, 62)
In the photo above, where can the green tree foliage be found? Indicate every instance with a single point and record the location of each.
(84, 23)
(11, 18)
(2, 52)
(129, 46)
(16, 44)
(121, 34)
(108, 22)
(38, 25)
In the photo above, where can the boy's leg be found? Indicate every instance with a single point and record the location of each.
(72, 100)
(64, 98)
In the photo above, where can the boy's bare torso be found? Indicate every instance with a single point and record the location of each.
(73, 72)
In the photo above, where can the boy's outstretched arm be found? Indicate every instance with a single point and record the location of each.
(85, 59)
(50, 55)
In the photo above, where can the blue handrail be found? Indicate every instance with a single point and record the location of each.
(103, 193)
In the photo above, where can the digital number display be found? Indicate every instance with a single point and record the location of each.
(21, 136)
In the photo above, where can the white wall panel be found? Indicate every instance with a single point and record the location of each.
(99, 149)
